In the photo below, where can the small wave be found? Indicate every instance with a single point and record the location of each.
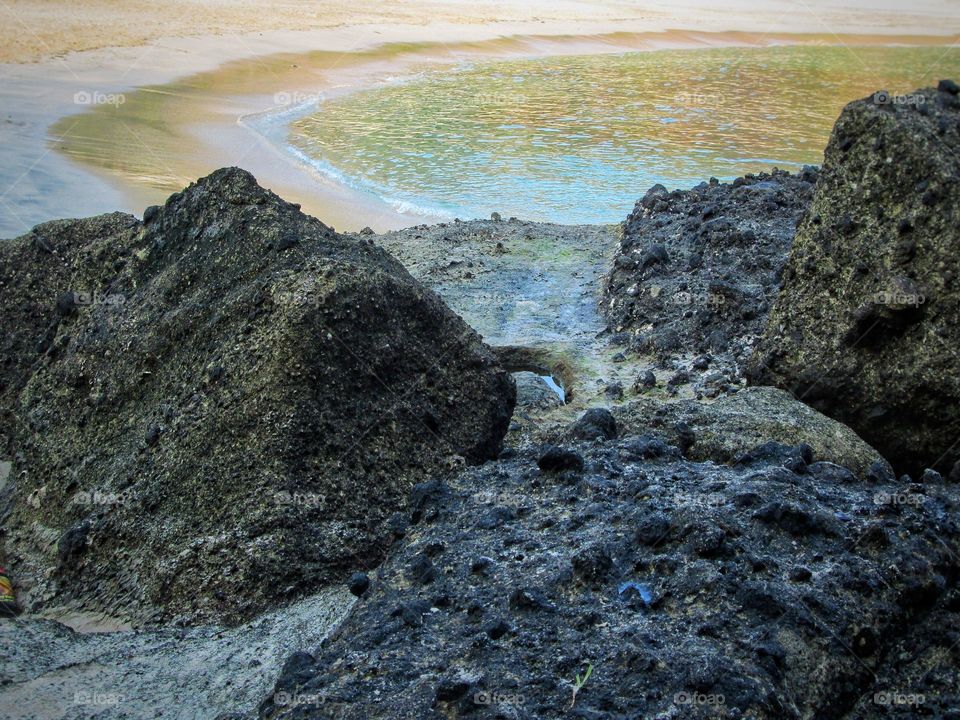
(282, 114)
(405, 207)
(400, 205)
(273, 125)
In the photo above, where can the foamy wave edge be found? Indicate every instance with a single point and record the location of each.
(267, 123)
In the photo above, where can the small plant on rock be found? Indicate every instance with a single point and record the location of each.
(580, 682)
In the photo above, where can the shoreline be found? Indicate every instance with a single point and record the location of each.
(42, 183)
(339, 194)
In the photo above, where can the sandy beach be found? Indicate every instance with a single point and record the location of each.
(201, 69)
(34, 31)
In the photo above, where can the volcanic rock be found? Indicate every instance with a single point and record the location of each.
(232, 408)
(693, 590)
(865, 329)
(734, 424)
(697, 270)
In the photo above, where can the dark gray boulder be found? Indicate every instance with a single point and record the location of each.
(697, 270)
(232, 407)
(692, 589)
(865, 328)
(595, 423)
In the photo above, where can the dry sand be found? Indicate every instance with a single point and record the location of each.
(32, 30)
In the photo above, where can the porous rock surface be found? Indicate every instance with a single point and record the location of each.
(697, 270)
(692, 589)
(865, 328)
(218, 409)
(725, 430)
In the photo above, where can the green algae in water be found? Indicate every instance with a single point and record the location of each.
(579, 139)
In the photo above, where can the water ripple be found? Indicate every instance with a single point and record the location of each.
(578, 139)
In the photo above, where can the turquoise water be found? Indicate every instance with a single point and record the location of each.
(579, 139)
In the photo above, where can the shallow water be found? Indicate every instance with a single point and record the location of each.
(578, 139)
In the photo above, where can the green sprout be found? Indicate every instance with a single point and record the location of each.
(580, 682)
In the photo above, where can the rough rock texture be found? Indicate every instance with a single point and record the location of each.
(693, 590)
(51, 671)
(219, 409)
(866, 326)
(723, 430)
(533, 392)
(697, 270)
(32, 268)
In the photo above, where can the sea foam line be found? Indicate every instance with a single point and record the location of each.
(273, 126)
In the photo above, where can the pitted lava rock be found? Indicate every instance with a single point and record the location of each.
(697, 270)
(673, 579)
(229, 407)
(865, 329)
